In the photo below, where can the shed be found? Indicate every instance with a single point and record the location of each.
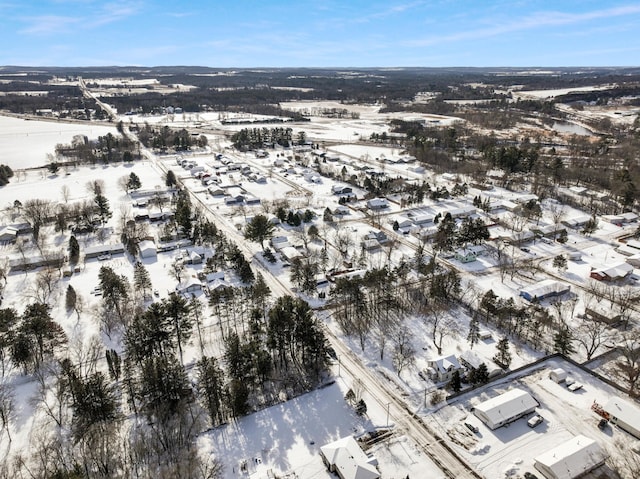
(147, 249)
(8, 235)
(557, 375)
(625, 415)
(505, 408)
(345, 458)
(571, 459)
(289, 253)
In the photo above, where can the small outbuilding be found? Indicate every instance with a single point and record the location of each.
(147, 249)
(558, 375)
(569, 460)
(505, 408)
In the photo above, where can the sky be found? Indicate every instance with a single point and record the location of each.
(320, 33)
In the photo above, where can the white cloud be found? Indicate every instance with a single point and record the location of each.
(533, 21)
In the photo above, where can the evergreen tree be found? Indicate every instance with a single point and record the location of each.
(212, 389)
(456, 382)
(503, 355)
(259, 229)
(133, 183)
(141, 279)
(474, 332)
(445, 237)
(170, 179)
(560, 262)
(563, 341)
(183, 212)
(74, 250)
(481, 374)
(102, 204)
(113, 364)
(70, 298)
(176, 308)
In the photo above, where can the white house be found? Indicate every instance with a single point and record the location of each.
(505, 408)
(443, 368)
(573, 458)
(345, 458)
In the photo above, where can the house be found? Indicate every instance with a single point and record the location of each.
(8, 235)
(379, 236)
(466, 256)
(547, 288)
(341, 190)
(612, 273)
(625, 415)
(629, 217)
(53, 260)
(345, 458)
(289, 253)
(370, 244)
(422, 219)
(234, 200)
(251, 199)
(576, 221)
(571, 459)
(613, 219)
(194, 258)
(279, 242)
(377, 204)
(341, 210)
(443, 368)
(192, 285)
(505, 408)
(472, 360)
(147, 249)
(103, 249)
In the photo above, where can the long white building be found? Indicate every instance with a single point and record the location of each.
(505, 408)
(570, 459)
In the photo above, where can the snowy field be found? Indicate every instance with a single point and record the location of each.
(26, 144)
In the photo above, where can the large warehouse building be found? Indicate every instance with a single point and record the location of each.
(505, 408)
(571, 459)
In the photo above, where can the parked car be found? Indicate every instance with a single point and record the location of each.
(535, 420)
(530, 475)
(575, 387)
(471, 427)
(104, 257)
(602, 424)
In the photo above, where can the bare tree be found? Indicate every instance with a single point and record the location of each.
(629, 362)
(66, 193)
(590, 335)
(403, 353)
(38, 212)
(95, 187)
(440, 323)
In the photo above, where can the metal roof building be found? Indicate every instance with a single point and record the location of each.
(570, 459)
(505, 408)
